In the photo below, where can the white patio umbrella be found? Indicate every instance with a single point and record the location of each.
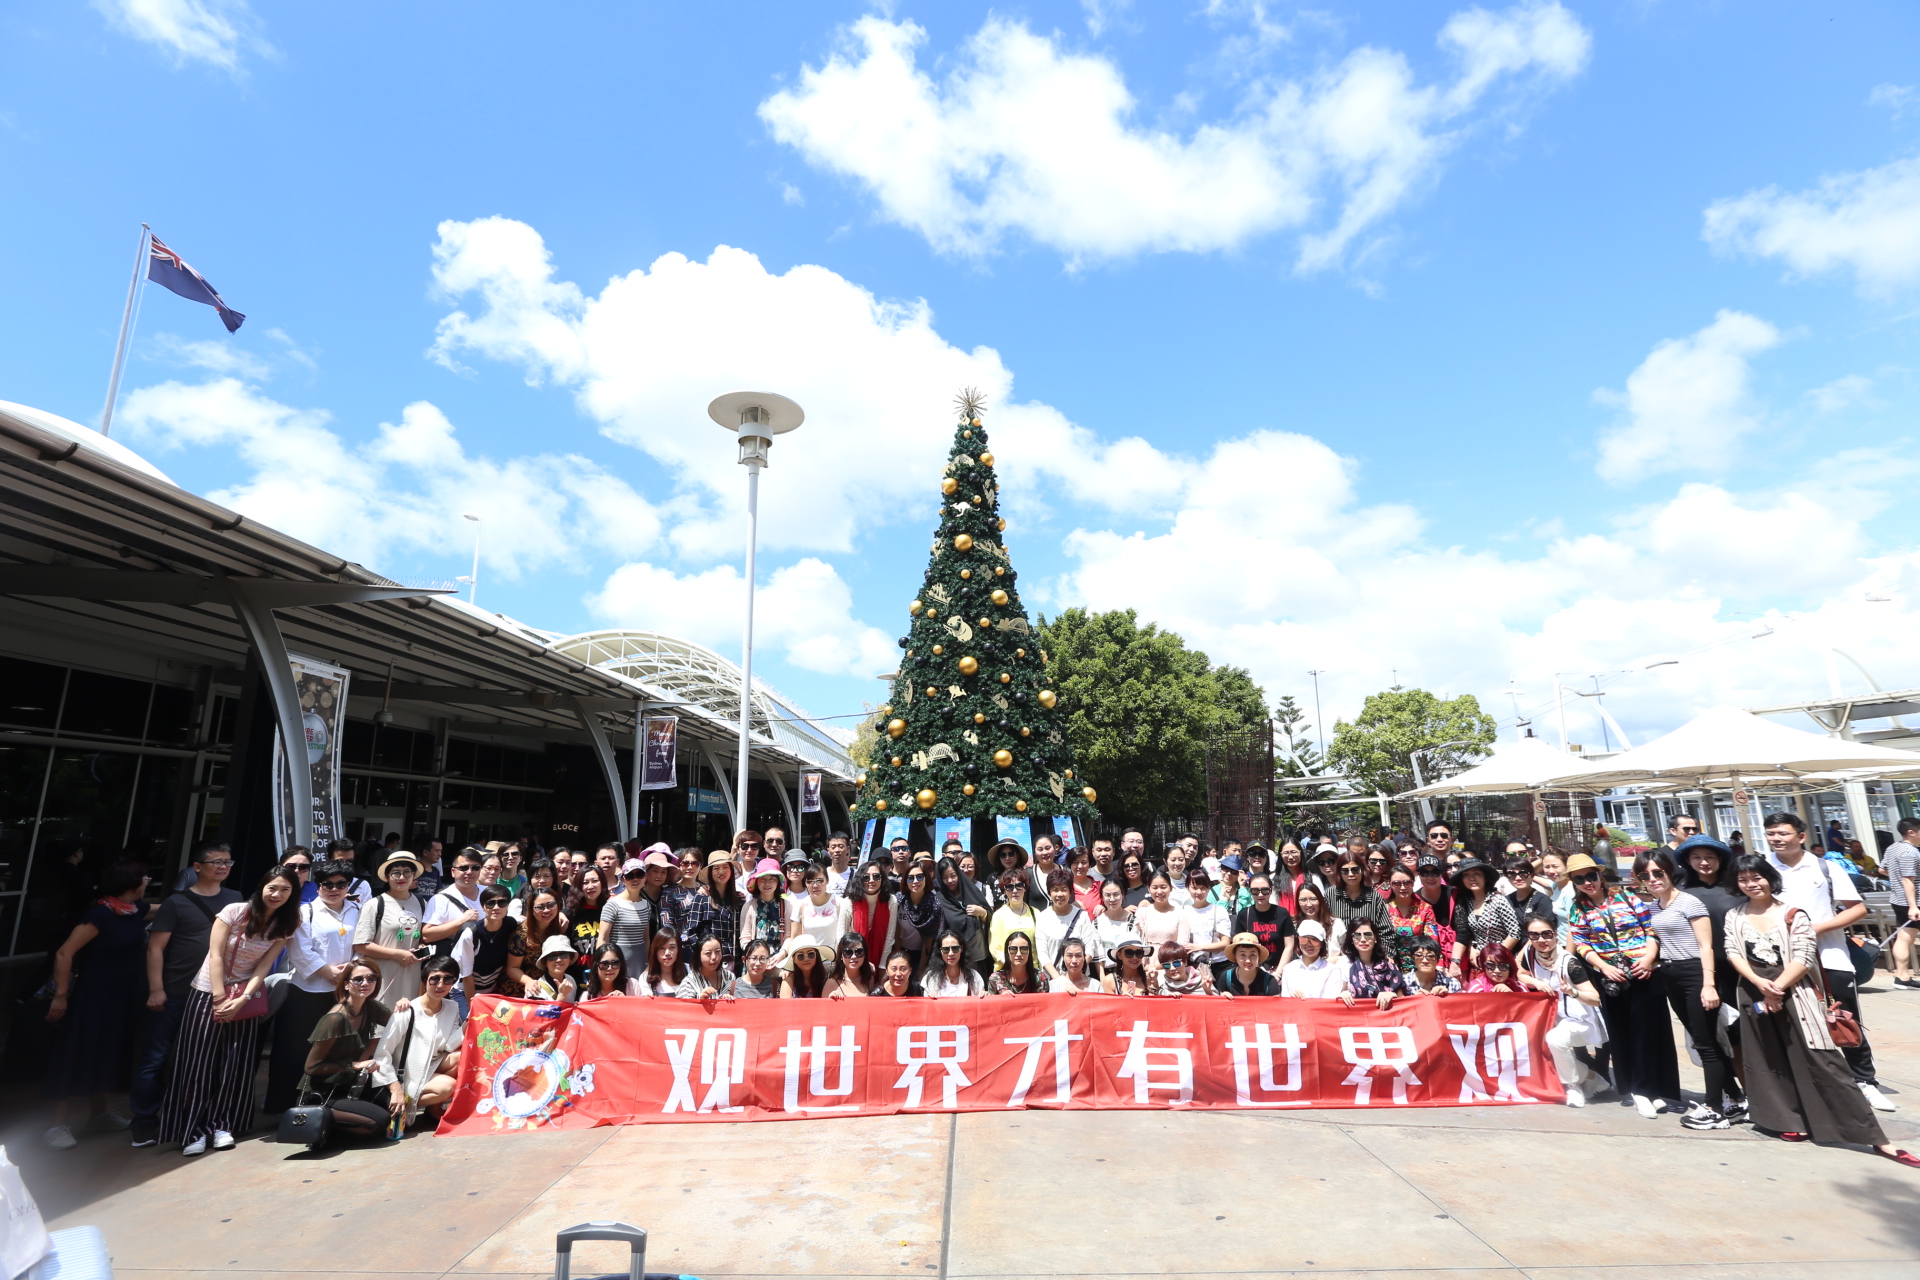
(1727, 748)
(1514, 767)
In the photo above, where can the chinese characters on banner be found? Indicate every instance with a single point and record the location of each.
(630, 1061)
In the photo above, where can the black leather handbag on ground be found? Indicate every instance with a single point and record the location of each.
(305, 1126)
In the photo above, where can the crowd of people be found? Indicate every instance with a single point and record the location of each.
(361, 972)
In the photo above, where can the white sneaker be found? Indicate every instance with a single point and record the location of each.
(1646, 1106)
(222, 1140)
(1576, 1096)
(60, 1138)
(111, 1121)
(1876, 1099)
(198, 1147)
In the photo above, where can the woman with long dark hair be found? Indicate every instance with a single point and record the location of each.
(857, 975)
(1020, 974)
(210, 1097)
(608, 976)
(1612, 931)
(1481, 917)
(920, 915)
(948, 973)
(342, 1047)
(1800, 1085)
(1688, 973)
(99, 997)
(543, 920)
(805, 965)
(666, 967)
(1371, 972)
(964, 914)
(584, 901)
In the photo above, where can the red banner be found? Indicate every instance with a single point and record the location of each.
(633, 1061)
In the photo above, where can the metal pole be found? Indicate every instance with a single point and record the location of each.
(1426, 805)
(746, 643)
(473, 580)
(1560, 703)
(1319, 730)
(126, 329)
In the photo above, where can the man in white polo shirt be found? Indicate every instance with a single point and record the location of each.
(1826, 893)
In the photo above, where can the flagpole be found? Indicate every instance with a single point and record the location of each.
(126, 329)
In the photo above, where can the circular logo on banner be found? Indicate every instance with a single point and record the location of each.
(527, 1081)
(316, 729)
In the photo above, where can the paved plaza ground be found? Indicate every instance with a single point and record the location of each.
(1452, 1194)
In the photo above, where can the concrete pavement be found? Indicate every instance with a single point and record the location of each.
(1452, 1194)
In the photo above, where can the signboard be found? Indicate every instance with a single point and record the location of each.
(657, 766)
(866, 835)
(701, 800)
(809, 793)
(528, 1065)
(322, 688)
(1018, 830)
(960, 829)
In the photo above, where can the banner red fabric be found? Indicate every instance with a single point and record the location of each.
(635, 1061)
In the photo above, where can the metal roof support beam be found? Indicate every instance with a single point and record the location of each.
(786, 803)
(263, 630)
(603, 749)
(726, 792)
(633, 774)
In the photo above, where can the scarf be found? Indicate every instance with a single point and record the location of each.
(871, 922)
(119, 907)
(924, 915)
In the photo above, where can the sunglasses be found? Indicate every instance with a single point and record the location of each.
(298, 866)
(361, 979)
(1539, 933)
(946, 951)
(608, 964)
(916, 879)
(332, 885)
(439, 980)
(1498, 967)
(1586, 877)
(458, 867)
(1434, 874)
(1263, 888)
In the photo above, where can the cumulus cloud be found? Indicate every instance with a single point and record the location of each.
(1688, 403)
(1866, 223)
(804, 610)
(215, 32)
(1024, 135)
(402, 490)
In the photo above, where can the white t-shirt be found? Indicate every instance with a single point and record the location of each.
(1321, 980)
(826, 922)
(1822, 890)
(443, 906)
(1050, 929)
(1200, 926)
(1061, 984)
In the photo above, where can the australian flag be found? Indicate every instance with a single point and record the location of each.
(169, 270)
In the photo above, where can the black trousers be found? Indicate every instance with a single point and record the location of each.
(1683, 983)
(1859, 1058)
(1640, 1040)
(299, 1013)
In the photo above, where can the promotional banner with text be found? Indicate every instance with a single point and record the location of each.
(638, 1061)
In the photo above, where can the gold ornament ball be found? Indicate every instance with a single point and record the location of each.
(1019, 653)
(926, 799)
(967, 790)
(949, 485)
(968, 665)
(963, 542)
(880, 805)
(939, 649)
(915, 608)
(986, 459)
(972, 422)
(896, 727)
(860, 780)
(932, 692)
(979, 717)
(1003, 758)
(933, 613)
(1025, 732)
(1047, 698)
(1001, 524)
(976, 499)
(895, 762)
(966, 435)
(1090, 794)
(985, 622)
(966, 573)
(1019, 806)
(887, 710)
(1069, 773)
(999, 571)
(1006, 677)
(998, 597)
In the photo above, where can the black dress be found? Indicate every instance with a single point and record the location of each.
(93, 1045)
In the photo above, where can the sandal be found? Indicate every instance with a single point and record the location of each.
(1899, 1157)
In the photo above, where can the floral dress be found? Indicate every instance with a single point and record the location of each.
(1369, 980)
(1399, 934)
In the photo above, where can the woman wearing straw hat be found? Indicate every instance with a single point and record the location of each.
(1248, 975)
(1612, 931)
(553, 983)
(804, 969)
(1127, 972)
(389, 930)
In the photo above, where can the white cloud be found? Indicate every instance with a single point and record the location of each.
(1841, 394)
(1897, 98)
(213, 356)
(804, 609)
(1024, 135)
(1100, 13)
(1687, 404)
(403, 490)
(1867, 223)
(215, 32)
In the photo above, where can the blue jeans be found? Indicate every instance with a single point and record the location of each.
(150, 1077)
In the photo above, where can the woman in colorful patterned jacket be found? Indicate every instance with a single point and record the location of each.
(1612, 931)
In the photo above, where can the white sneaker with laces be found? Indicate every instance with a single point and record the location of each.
(1702, 1116)
(1646, 1106)
(198, 1147)
(60, 1138)
(222, 1140)
(1576, 1096)
(1876, 1099)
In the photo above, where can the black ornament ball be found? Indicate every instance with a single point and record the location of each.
(973, 772)
(904, 641)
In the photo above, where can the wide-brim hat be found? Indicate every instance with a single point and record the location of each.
(556, 945)
(401, 856)
(805, 942)
(1473, 864)
(993, 854)
(1239, 940)
(657, 858)
(1113, 952)
(1581, 862)
(1704, 842)
(719, 856)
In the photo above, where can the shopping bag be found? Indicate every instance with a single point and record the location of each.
(23, 1235)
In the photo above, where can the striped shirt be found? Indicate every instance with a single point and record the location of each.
(1619, 931)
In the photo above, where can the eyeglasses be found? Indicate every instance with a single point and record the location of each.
(439, 980)
(298, 866)
(334, 885)
(608, 964)
(1351, 869)
(916, 879)
(1498, 967)
(1263, 888)
(1586, 877)
(218, 862)
(1539, 933)
(1376, 862)
(949, 951)
(873, 877)
(360, 979)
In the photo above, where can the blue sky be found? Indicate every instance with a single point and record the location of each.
(1454, 345)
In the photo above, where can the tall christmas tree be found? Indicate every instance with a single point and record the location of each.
(974, 728)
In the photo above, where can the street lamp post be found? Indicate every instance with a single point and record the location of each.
(473, 583)
(755, 417)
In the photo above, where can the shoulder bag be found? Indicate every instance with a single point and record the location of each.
(1841, 1024)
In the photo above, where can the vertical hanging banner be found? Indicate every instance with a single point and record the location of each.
(897, 829)
(322, 688)
(960, 829)
(658, 769)
(532, 1065)
(1018, 830)
(809, 793)
(866, 835)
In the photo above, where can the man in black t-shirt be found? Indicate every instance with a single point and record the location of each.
(176, 948)
(1268, 922)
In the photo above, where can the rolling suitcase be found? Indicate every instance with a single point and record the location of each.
(636, 1258)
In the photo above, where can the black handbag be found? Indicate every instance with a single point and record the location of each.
(305, 1126)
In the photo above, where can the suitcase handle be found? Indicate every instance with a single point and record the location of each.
(635, 1238)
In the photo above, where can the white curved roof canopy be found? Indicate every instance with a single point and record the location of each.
(679, 670)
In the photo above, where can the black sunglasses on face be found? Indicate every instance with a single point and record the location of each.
(1586, 877)
(1539, 933)
(608, 964)
(336, 884)
(949, 951)
(298, 866)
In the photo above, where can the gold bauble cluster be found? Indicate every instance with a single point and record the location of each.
(963, 542)
(968, 665)
(1003, 758)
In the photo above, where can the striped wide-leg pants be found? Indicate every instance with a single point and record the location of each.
(212, 1082)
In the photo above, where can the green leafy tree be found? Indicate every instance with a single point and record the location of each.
(976, 725)
(1142, 707)
(1296, 745)
(1376, 749)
